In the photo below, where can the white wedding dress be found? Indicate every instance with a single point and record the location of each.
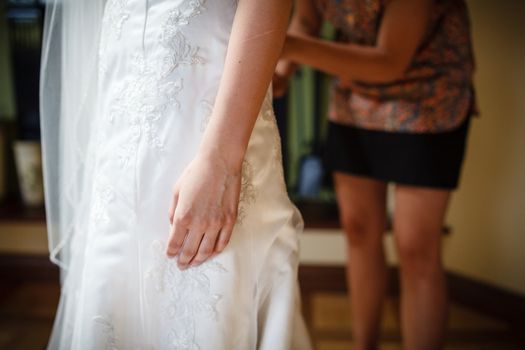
(160, 64)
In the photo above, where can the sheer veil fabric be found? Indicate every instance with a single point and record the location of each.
(127, 89)
(68, 102)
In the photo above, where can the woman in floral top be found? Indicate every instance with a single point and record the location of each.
(399, 112)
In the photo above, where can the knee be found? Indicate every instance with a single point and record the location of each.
(360, 230)
(418, 250)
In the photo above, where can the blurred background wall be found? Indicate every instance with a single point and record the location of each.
(488, 212)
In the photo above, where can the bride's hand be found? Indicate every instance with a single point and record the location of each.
(203, 209)
(206, 196)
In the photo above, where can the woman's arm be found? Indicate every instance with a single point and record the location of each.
(205, 197)
(305, 21)
(402, 28)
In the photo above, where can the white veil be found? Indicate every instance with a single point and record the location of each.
(68, 95)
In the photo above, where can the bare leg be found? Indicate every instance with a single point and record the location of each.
(419, 217)
(362, 211)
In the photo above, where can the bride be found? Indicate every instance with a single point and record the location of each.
(167, 209)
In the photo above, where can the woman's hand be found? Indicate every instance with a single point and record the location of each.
(203, 210)
(279, 85)
(281, 77)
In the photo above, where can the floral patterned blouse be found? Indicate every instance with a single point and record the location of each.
(434, 95)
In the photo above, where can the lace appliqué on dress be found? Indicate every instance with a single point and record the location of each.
(181, 15)
(179, 51)
(267, 109)
(103, 195)
(248, 193)
(150, 91)
(278, 157)
(115, 15)
(268, 115)
(142, 100)
(108, 332)
(184, 295)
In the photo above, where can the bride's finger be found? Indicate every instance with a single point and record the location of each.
(173, 205)
(206, 246)
(190, 247)
(224, 238)
(176, 237)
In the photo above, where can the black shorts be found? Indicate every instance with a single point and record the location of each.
(424, 159)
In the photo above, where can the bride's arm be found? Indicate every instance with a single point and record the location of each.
(205, 197)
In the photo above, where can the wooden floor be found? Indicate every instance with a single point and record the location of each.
(330, 326)
(27, 310)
